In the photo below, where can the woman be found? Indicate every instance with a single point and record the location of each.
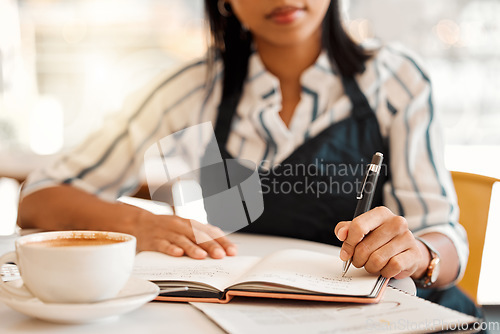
(285, 85)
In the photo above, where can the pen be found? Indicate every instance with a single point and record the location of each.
(365, 196)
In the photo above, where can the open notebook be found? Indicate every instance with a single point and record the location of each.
(291, 274)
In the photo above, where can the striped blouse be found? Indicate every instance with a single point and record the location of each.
(108, 164)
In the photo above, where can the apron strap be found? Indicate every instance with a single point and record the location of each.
(360, 106)
(227, 108)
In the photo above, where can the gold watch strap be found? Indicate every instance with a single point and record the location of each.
(426, 280)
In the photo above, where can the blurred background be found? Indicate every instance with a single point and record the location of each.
(65, 65)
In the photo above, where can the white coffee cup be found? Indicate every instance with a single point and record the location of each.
(72, 266)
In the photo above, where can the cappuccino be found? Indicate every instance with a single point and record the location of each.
(58, 267)
(72, 242)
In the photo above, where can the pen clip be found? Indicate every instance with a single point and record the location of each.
(360, 195)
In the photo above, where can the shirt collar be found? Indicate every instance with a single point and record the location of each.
(263, 86)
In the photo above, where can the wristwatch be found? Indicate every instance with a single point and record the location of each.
(432, 272)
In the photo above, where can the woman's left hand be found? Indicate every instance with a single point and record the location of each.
(382, 243)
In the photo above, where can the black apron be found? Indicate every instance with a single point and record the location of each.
(333, 162)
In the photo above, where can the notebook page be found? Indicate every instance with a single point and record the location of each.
(220, 273)
(311, 271)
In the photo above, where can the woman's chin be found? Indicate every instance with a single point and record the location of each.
(285, 38)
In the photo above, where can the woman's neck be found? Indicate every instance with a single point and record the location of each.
(287, 63)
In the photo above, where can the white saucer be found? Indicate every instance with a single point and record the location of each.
(139, 291)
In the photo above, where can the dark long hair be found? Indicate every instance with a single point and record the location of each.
(233, 44)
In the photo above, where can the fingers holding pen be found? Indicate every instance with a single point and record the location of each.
(355, 231)
(385, 258)
(387, 240)
(381, 242)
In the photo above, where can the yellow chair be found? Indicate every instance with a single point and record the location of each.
(474, 193)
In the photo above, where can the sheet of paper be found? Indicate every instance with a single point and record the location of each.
(311, 271)
(219, 273)
(398, 312)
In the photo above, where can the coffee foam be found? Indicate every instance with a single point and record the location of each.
(68, 242)
(73, 239)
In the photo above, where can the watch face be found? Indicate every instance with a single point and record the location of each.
(435, 270)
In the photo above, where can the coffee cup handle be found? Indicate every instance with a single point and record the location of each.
(19, 291)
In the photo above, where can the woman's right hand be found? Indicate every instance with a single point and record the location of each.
(177, 236)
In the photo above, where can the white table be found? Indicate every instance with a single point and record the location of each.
(163, 317)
